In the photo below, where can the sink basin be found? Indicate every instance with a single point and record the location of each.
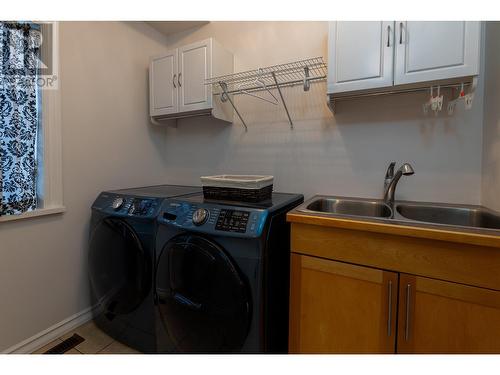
(463, 216)
(352, 207)
(477, 218)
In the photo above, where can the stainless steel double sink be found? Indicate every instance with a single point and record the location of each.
(460, 216)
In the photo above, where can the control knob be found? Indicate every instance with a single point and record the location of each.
(200, 216)
(117, 203)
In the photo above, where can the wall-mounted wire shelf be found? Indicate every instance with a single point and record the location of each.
(302, 72)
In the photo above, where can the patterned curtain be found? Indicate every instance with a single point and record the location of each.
(19, 117)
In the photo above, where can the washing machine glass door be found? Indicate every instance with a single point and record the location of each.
(120, 270)
(204, 301)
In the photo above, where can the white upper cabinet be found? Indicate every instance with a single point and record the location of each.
(163, 85)
(360, 55)
(194, 68)
(434, 50)
(177, 81)
(369, 55)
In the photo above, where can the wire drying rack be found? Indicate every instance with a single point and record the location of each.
(302, 72)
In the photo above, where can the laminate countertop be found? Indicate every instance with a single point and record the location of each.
(447, 233)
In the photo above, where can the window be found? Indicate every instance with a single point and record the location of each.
(30, 151)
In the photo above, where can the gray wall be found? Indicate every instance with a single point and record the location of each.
(491, 137)
(107, 143)
(345, 154)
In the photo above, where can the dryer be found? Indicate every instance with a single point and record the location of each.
(222, 275)
(121, 261)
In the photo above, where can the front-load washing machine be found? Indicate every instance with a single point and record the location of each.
(121, 261)
(222, 275)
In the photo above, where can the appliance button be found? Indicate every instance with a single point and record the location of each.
(200, 216)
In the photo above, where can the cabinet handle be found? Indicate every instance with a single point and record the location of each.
(173, 80)
(407, 321)
(401, 33)
(388, 35)
(389, 306)
(179, 80)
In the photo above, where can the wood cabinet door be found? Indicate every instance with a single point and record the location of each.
(442, 317)
(434, 50)
(341, 308)
(195, 66)
(360, 55)
(163, 84)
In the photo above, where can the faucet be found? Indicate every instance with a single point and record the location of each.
(389, 175)
(392, 179)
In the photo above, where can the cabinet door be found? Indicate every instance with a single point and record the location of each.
(163, 84)
(434, 50)
(194, 68)
(341, 308)
(360, 55)
(442, 317)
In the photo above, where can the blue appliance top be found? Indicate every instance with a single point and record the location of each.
(140, 202)
(277, 201)
(158, 191)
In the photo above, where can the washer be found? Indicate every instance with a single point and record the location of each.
(121, 261)
(222, 275)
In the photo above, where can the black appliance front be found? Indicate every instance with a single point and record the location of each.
(120, 271)
(203, 298)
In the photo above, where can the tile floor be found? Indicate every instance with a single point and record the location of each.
(96, 342)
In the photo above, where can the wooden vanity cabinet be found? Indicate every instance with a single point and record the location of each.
(341, 308)
(344, 300)
(441, 317)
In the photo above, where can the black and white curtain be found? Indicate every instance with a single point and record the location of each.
(19, 117)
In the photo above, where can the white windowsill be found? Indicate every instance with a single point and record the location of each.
(35, 213)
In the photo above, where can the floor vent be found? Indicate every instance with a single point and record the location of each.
(66, 345)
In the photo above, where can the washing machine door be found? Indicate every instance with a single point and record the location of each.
(203, 299)
(119, 268)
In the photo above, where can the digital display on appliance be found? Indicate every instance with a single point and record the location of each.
(232, 221)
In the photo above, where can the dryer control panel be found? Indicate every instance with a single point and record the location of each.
(122, 205)
(214, 219)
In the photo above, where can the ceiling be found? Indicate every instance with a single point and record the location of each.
(172, 27)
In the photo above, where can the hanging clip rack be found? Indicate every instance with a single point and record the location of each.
(332, 99)
(435, 103)
(462, 96)
(302, 72)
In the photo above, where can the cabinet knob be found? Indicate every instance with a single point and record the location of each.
(173, 80)
(179, 79)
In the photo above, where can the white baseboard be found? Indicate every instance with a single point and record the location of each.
(57, 330)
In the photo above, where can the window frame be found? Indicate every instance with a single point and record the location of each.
(51, 199)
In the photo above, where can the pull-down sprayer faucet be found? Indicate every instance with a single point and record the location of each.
(392, 179)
